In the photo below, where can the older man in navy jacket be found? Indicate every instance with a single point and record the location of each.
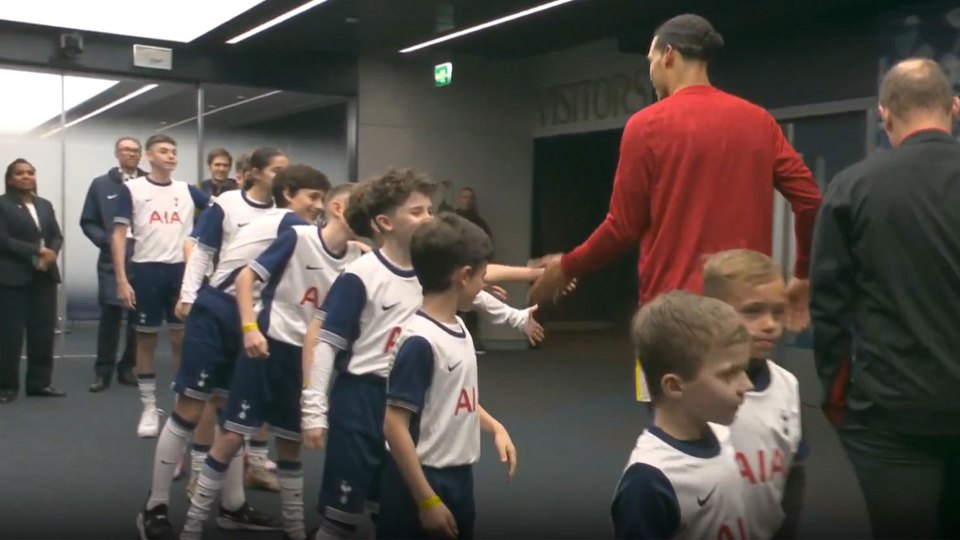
(97, 224)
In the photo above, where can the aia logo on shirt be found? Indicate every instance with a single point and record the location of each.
(392, 338)
(165, 218)
(467, 402)
(312, 297)
(727, 532)
(763, 467)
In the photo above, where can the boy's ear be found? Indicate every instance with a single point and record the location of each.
(463, 275)
(671, 386)
(383, 223)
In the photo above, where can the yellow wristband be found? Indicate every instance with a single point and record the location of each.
(250, 326)
(430, 503)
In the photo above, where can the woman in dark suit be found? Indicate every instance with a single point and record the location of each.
(30, 240)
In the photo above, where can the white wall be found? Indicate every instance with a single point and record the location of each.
(472, 133)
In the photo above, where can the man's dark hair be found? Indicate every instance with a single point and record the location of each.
(691, 35)
(159, 138)
(293, 179)
(443, 245)
(391, 190)
(219, 152)
(917, 84)
(121, 139)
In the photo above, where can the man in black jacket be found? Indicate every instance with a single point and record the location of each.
(886, 307)
(97, 224)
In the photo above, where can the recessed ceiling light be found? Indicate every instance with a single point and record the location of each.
(484, 26)
(172, 20)
(275, 21)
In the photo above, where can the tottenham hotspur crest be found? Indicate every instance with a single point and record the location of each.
(245, 407)
(203, 379)
(345, 490)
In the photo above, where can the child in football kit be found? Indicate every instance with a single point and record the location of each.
(433, 419)
(363, 315)
(159, 210)
(681, 480)
(297, 270)
(213, 331)
(767, 433)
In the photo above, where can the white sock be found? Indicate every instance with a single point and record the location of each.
(198, 453)
(170, 445)
(148, 390)
(290, 475)
(208, 488)
(233, 494)
(257, 453)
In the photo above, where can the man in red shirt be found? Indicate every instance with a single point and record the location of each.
(696, 176)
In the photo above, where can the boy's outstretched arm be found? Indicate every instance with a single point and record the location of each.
(501, 439)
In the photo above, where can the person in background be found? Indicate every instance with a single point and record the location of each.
(219, 161)
(30, 241)
(467, 209)
(96, 221)
(885, 279)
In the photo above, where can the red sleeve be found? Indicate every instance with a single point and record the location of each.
(793, 180)
(629, 214)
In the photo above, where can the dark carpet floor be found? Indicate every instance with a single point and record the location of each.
(74, 468)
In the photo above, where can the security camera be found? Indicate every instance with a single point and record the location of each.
(71, 45)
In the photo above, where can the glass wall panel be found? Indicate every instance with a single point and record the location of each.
(128, 108)
(309, 128)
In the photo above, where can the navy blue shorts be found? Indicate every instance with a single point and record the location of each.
(266, 391)
(355, 449)
(157, 289)
(399, 515)
(211, 344)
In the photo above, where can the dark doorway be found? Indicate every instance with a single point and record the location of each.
(572, 182)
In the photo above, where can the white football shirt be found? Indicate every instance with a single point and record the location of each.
(249, 243)
(767, 436)
(434, 375)
(681, 489)
(297, 270)
(160, 216)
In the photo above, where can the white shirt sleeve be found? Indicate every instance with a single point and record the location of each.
(314, 398)
(499, 313)
(200, 261)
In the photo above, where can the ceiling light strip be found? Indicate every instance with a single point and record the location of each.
(106, 107)
(275, 21)
(215, 111)
(484, 26)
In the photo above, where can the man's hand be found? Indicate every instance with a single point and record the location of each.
(798, 305)
(314, 438)
(438, 522)
(47, 255)
(182, 310)
(532, 328)
(508, 452)
(551, 285)
(255, 344)
(126, 295)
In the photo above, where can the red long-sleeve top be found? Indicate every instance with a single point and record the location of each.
(696, 176)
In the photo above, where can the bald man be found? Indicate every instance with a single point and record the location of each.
(885, 307)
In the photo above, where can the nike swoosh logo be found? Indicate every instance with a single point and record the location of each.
(114, 196)
(168, 462)
(455, 366)
(704, 500)
(391, 306)
(314, 267)
(241, 225)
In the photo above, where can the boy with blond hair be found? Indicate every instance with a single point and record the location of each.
(682, 480)
(767, 433)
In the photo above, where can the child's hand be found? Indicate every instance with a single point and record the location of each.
(314, 438)
(438, 522)
(508, 452)
(255, 344)
(532, 328)
(498, 292)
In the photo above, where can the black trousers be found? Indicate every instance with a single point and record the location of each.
(911, 483)
(108, 342)
(29, 309)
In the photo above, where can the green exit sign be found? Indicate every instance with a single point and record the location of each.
(443, 74)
